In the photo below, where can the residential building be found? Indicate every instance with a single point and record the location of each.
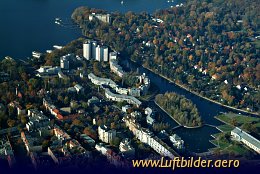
(147, 137)
(113, 56)
(93, 100)
(105, 54)
(125, 146)
(93, 49)
(102, 17)
(32, 143)
(19, 109)
(99, 53)
(79, 88)
(112, 157)
(88, 139)
(87, 49)
(122, 97)
(65, 61)
(246, 138)
(105, 134)
(115, 67)
(125, 108)
(6, 151)
(37, 120)
(101, 148)
(101, 81)
(177, 141)
(48, 71)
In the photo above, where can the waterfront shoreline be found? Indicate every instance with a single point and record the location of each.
(197, 94)
(179, 124)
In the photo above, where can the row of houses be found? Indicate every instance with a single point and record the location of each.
(112, 157)
(147, 137)
(48, 104)
(142, 89)
(64, 148)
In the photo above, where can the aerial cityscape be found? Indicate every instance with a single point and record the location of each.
(130, 86)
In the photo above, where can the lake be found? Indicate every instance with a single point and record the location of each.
(28, 25)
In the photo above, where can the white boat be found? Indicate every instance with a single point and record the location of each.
(48, 51)
(57, 19)
(36, 54)
(57, 47)
(122, 2)
(56, 22)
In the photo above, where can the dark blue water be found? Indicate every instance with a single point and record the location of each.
(28, 25)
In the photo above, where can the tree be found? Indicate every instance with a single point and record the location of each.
(11, 123)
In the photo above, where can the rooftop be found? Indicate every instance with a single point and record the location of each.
(249, 138)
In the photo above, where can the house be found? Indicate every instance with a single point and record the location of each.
(79, 88)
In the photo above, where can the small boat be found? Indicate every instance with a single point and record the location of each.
(48, 51)
(122, 2)
(56, 22)
(57, 19)
(57, 47)
(36, 54)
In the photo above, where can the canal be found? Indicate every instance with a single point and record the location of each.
(197, 139)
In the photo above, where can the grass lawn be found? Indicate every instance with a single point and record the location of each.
(238, 149)
(217, 134)
(233, 147)
(240, 119)
(226, 128)
(221, 144)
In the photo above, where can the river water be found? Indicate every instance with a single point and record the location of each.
(28, 25)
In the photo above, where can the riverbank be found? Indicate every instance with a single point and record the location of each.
(197, 94)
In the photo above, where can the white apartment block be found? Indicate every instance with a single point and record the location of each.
(105, 134)
(147, 137)
(87, 50)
